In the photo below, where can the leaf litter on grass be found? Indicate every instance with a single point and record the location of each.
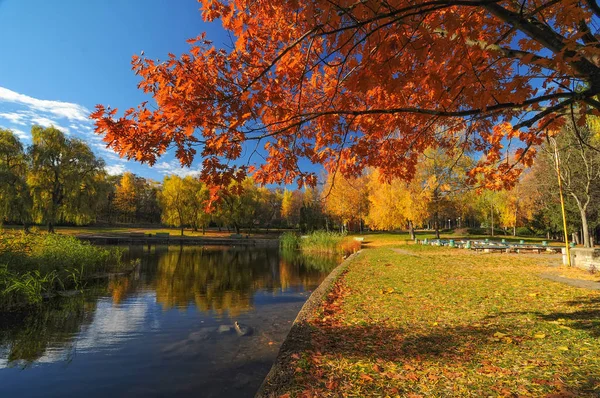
(457, 325)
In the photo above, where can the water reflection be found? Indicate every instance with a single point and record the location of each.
(215, 283)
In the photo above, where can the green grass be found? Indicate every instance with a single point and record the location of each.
(436, 322)
(35, 265)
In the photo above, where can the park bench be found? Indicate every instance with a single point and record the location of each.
(137, 235)
(490, 249)
(236, 236)
(163, 235)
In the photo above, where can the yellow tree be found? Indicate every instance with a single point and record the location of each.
(443, 176)
(291, 204)
(397, 204)
(175, 202)
(346, 199)
(197, 195)
(126, 197)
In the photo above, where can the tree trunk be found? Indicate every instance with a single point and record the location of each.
(203, 230)
(492, 220)
(182, 230)
(237, 228)
(437, 226)
(411, 230)
(51, 227)
(585, 229)
(515, 230)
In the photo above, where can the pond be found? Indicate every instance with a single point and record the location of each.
(165, 330)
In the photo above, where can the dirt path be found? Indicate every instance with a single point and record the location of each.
(573, 282)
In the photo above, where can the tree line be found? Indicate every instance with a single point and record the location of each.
(58, 180)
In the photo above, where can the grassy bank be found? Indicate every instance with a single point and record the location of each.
(432, 322)
(34, 266)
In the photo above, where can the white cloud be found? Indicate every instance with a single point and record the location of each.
(44, 121)
(115, 169)
(15, 117)
(58, 108)
(173, 167)
(22, 134)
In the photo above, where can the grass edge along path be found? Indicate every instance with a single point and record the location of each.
(298, 338)
(444, 323)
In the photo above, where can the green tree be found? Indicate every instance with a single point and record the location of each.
(238, 207)
(198, 195)
(65, 178)
(15, 201)
(175, 202)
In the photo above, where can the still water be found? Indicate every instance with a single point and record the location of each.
(165, 330)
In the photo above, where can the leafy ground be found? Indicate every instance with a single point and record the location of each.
(435, 322)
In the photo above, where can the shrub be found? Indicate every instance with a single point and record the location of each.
(524, 231)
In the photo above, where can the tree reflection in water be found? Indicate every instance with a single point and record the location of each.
(216, 280)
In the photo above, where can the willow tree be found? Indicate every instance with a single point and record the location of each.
(65, 178)
(353, 84)
(15, 201)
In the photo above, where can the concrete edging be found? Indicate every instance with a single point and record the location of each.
(298, 338)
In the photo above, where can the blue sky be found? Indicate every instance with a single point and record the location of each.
(61, 58)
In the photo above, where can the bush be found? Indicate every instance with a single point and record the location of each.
(524, 231)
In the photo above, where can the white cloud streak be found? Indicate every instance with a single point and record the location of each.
(60, 109)
(115, 169)
(173, 167)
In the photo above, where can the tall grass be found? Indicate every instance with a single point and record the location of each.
(35, 265)
(289, 241)
(319, 242)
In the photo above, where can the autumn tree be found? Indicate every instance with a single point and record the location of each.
(346, 199)
(147, 207)
(291, 204)
(443, 174)
(356, 84)
(15, 201)
(125, 199)
(65, 178)
(397, 204)
(174, 202)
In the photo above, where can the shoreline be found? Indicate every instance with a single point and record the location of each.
(298, 338)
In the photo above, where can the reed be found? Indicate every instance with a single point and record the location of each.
(33, 266)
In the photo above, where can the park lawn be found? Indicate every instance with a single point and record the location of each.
(436, 322)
